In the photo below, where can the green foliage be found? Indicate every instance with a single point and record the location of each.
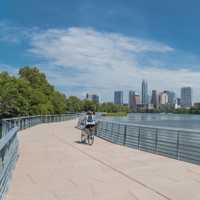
(13, 93)
(89, 105)
(29, 94)
(187, 111)
(112, 108)
(73, 104)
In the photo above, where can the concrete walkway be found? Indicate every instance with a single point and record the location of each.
(53, 165)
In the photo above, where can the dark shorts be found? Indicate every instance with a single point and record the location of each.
(90, 126)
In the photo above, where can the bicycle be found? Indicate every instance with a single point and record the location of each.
(87, 135)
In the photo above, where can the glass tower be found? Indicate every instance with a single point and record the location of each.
(118, 97)
(186, 97)
(144, 93)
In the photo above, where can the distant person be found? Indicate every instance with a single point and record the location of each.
(90, 120)
(87, 126)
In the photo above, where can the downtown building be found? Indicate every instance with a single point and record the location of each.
(186, 97)
(171, 98)
(145, 97)
(177, 103)
(118, 97)
(154, 99)
(167, 98)
(134, 101)
(92, 97)
(163, 98)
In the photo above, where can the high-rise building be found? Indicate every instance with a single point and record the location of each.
(132, 101)
(186, 97)
(144, 93)
(154, 99)
(137, 99)
(171, 98)
(92, 97)
(163, 98)
(177, 103)
(118, 97)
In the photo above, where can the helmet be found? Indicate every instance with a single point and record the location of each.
(89, 112)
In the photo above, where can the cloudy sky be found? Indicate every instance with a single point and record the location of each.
(101, 46)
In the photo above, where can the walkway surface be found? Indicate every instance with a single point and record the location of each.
(53, 165)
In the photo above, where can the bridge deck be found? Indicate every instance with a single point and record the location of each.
(54, 166)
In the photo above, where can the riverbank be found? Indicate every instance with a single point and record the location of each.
(115, 114)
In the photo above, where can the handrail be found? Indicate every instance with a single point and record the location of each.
(9, 142)
(152, 126)
(35, 116)
(181, 144)
(8, 137)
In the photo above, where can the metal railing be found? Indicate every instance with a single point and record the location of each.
(9, 142)
(181, 144)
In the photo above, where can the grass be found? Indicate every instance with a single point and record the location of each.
(115, 114)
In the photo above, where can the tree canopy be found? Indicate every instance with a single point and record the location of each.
(30, 93)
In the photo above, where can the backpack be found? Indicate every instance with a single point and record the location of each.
(90, 120)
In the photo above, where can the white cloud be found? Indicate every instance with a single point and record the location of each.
(104, 61)
(80, 60)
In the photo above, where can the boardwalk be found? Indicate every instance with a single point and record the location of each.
(53, 165)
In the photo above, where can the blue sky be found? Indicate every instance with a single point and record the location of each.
(99, 46)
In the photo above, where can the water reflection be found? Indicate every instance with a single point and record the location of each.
(165, 120)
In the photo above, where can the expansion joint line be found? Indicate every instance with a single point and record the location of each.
(115, 169)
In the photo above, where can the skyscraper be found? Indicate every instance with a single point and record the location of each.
(137, 99)
(171, 97)
(186, 97)
(163, 98)
(177, 103)
(144, 93)
(118, 97)
(132, 101)
(154, 99)
(92, 97)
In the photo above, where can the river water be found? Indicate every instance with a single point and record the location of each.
(185, 121)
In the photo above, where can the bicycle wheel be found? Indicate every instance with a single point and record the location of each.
(83, 138)
(90, 138)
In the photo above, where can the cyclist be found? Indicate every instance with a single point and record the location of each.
(87, 133)
(90, 121)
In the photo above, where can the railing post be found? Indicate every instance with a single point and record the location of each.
(125, 131)
(24, 123)
(139, 138)
(112, 132)
(3, 128)
(156, 141)
(177, 145)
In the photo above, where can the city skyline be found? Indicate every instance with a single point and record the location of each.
(152, 96)
(120, 97)
(156, 99)
(99, 46)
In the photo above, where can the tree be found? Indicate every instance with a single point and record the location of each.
(29, 94)
(73, 104)
(89, 105)
(59, 102)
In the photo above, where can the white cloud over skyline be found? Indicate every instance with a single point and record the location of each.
(79, 60)
(102, 62)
